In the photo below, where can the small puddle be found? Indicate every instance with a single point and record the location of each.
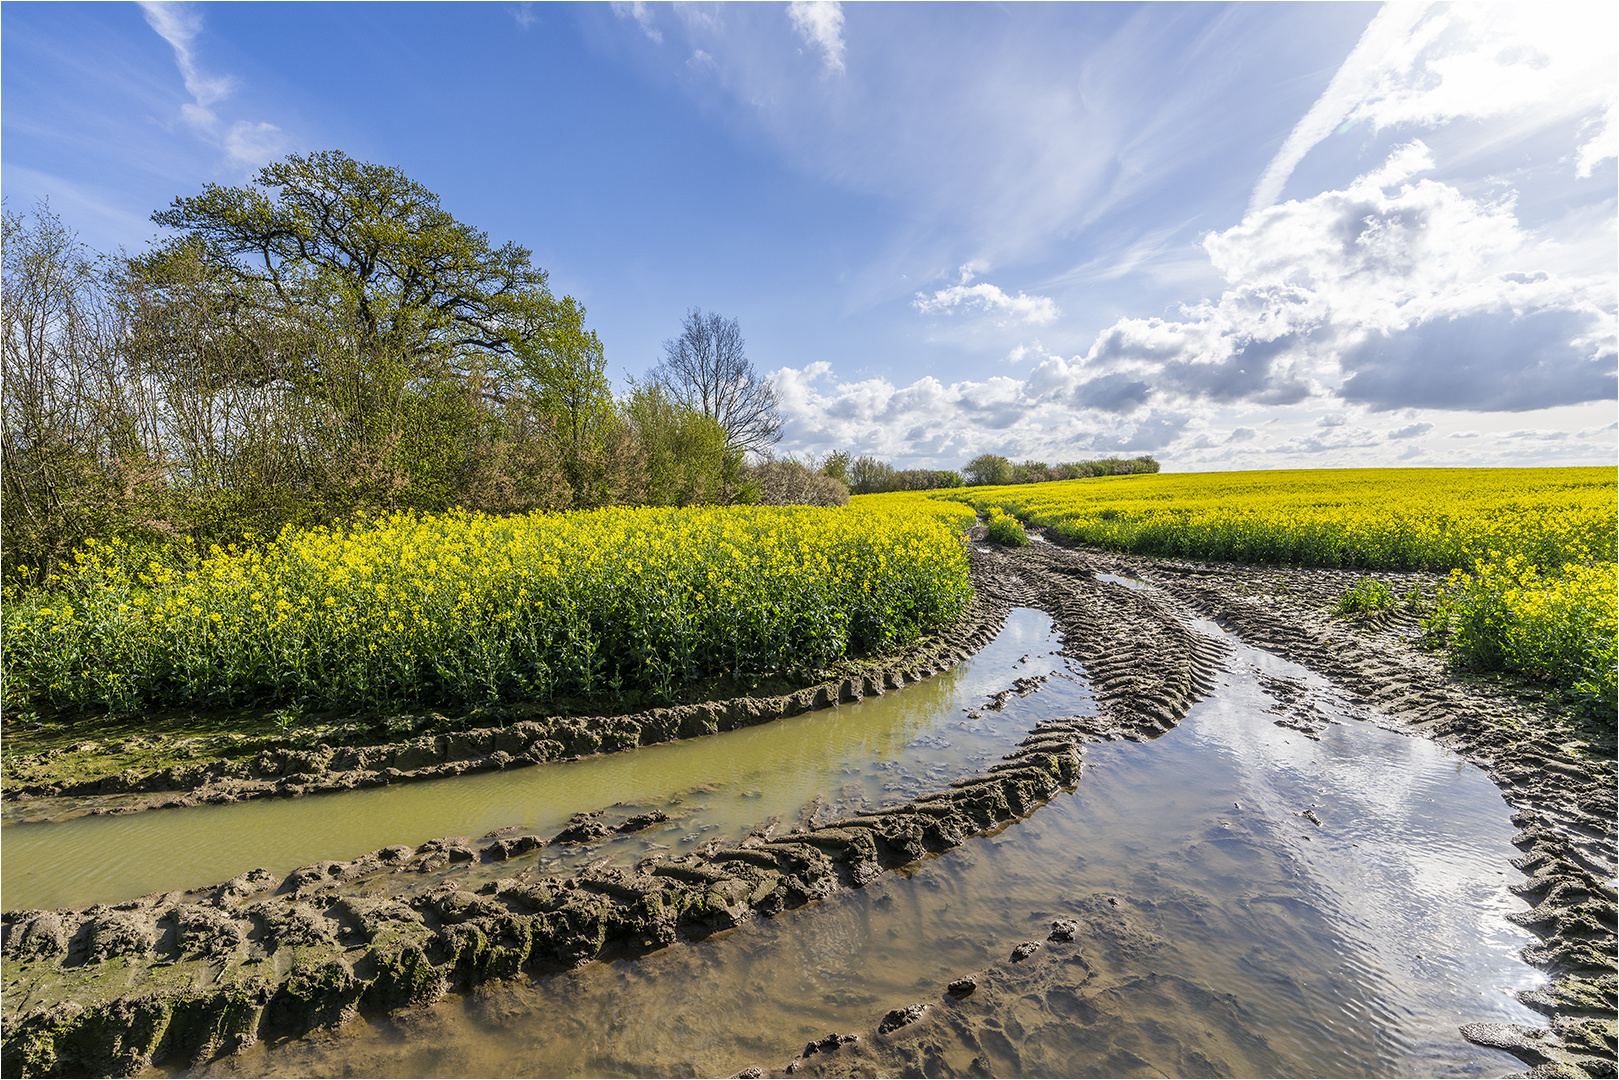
(1223, 931)
(1128, 582)
(890, 748)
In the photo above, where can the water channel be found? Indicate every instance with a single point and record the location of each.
(882, 749)
(1275, 887)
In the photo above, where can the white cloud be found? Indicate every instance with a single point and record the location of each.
(1391, 292)
(1411, 431)
(246, 143)
(820, 24)
(179, 26)
(1603, 143)
(1390, 29)
(252, 145)
(932, 421)
(989, 299)
(1539, 64)
(642, 14)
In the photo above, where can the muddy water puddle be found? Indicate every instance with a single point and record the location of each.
(836, 761)
(1273, 888)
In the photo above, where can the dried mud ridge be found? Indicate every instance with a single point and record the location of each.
(184, 977)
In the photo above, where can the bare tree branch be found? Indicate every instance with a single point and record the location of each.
(707, 369)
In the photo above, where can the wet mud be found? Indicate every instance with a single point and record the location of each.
(187, 977)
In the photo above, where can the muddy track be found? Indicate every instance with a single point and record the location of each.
(1562, 794)
(184, 977)
(187, 976)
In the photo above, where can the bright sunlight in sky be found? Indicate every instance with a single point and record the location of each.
(1230, 236)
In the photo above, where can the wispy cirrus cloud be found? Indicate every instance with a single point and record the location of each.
(642, 14)
(1421, 65)
(245, 143)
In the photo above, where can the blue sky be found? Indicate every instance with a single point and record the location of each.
(1248, 236)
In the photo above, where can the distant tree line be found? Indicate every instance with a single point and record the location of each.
(870, 475)
(988, 469)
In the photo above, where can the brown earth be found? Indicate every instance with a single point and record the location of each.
(185, 977)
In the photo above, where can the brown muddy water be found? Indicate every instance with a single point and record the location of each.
(1224, 931)
(884, 749)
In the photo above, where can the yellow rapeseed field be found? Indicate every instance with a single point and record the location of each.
(1531, 551)
(1386, 519)
(465, 607)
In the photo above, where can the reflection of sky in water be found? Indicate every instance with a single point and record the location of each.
(1305, 939)
(1411, 855)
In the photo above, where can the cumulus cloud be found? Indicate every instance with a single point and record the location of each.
(820, 24)
(1392, 292)
(245, 143)
(642, 14)
(989, 299)
(1411, 431)
(933, 421)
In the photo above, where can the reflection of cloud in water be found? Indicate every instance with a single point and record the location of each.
(1397, 854)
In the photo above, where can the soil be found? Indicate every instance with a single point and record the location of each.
(184, 977)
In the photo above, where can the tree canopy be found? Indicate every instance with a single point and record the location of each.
(326, 241)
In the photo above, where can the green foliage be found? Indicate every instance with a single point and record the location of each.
(322, 342)
(463, 608)
(988, 469)
(836, 466)
(870, 476)
(1560, 626)
(322, 241)
(1368, 596)
(994, 470)
(1005, 529)
(683, 456)
(788, 482)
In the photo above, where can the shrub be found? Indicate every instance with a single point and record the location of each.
(1559, 627)
(791, 483)
(1005, 529)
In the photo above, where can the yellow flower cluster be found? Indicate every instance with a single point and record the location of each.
(1391, 519)
(467, 607)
